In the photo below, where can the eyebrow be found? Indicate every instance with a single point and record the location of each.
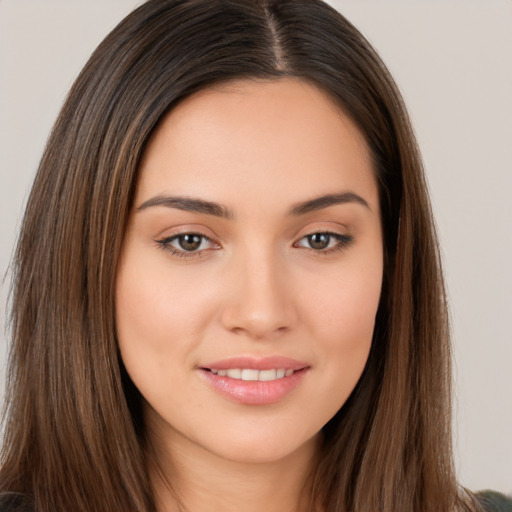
(195, 205)
(328, 200)
(188, 204)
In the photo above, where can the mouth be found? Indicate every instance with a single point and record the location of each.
(253, 381)
(249, 374)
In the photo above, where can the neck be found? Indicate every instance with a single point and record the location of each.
(197, 480)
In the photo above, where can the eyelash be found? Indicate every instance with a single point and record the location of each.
(342, 242)
(165, 244)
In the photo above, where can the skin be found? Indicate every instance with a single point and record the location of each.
(258, 288)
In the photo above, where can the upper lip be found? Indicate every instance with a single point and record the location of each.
(256, 363)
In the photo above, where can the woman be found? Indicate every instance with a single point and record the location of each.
(242, 304)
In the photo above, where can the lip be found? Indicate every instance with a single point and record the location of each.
(256, 363)
(255, 392)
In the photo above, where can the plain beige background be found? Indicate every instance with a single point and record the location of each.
(453, 61)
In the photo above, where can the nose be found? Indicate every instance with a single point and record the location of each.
(261, 304)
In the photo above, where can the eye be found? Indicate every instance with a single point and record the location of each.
(187, 244)
(325, 242)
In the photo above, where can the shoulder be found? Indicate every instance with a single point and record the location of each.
(494, 501)
(14, 502)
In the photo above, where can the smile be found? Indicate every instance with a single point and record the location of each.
(254, 380)
(250, 374)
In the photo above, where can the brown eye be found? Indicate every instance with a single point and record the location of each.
(325, 243)
(319, 241)
(189, 242)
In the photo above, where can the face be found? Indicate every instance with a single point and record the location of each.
(251, 270)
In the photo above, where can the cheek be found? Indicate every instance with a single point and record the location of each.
(344, 306)
(159, 314)
(342, 318)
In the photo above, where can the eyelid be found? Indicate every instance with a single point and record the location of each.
(185, 229)
(164, 243)
(344, 240)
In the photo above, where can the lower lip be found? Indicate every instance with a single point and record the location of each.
(254, 392)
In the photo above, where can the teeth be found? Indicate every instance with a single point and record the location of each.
(253, 375)
(250, 374)
(236, 373)
(267, 375)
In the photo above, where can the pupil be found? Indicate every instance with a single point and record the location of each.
(319, 241)
(190, 242)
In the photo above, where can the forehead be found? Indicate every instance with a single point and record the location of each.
(256, 139)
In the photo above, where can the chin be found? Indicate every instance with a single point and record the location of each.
(260, 445)
(264, 452)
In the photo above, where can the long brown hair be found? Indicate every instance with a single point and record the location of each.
(74, 434)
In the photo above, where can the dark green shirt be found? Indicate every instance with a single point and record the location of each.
(494, 501)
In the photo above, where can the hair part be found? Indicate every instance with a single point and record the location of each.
(75, 438)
